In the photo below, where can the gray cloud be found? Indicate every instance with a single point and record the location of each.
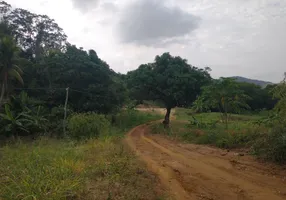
(108, 6)
(85, 5)
(235, 38)
(145, 22)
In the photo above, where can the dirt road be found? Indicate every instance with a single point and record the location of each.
(199, 172)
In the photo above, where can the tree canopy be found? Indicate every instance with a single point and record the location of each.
(35, 34)
(34, 51)
(51, 64)
(169, 79)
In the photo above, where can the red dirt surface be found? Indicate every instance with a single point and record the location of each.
(195, 172)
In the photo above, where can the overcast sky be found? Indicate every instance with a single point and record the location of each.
(233, 37)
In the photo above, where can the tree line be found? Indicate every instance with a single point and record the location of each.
(37, 64)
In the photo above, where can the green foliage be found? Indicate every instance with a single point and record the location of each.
(14, 123)
(22, 116)
(36, 34)
(38, 122)
(209, 129)
(93, 86)
(88, 125)
(260, 98)
(55, 118)
(127, 119)
(273, 145)
(37, 44)
(45, 169)
(8, 65)
(223, 95)
(169, 79)
(48, 169)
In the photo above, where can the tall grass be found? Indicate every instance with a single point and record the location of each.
(131, 118)
(45, 169)
(50, 169)
(207, 128)
(88, 125)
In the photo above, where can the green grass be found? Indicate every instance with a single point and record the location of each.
(213, 120)
(127, 119)
(209, 129)
(50, 169)
(45, 169)
(186, 114)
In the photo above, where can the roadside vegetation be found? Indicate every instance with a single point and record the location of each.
(93, 163)
(208, 128)
(260, 133)
(64, 113)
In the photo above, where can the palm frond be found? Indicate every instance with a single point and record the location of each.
(14, 73)
(18, 69)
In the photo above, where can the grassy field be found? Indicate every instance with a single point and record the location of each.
(208, 128)
(53, 169)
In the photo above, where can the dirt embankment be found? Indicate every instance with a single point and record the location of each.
(198, 172)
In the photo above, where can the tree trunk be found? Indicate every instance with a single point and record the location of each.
(2, 93)
(166, 121)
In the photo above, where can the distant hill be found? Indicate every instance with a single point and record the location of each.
(247, 80)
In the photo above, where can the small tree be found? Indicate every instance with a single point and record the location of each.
(169, 79)
(223, 95)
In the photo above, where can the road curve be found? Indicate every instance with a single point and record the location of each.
(200, 172)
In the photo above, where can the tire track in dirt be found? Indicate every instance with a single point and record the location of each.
(201, 173)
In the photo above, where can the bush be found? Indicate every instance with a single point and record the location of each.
(129, 118)
(272, 146)
(55, 118)
(227, 139)
(87, 125)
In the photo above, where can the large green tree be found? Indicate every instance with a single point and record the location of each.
(35, 34)
(169, 79)
(260, 98)
(93, 85)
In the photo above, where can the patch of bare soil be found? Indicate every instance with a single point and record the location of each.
(191, 171)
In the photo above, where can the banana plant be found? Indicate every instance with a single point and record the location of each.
(14, 123)
(37, 118)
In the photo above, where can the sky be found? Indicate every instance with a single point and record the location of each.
(232, 37)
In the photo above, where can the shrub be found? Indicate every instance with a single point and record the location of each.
(88, 125)
(55, 118)
(208, 138)
(272, 146)
(129, 118)
(229, 139)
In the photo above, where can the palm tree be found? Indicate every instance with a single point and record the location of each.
(8, 68)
